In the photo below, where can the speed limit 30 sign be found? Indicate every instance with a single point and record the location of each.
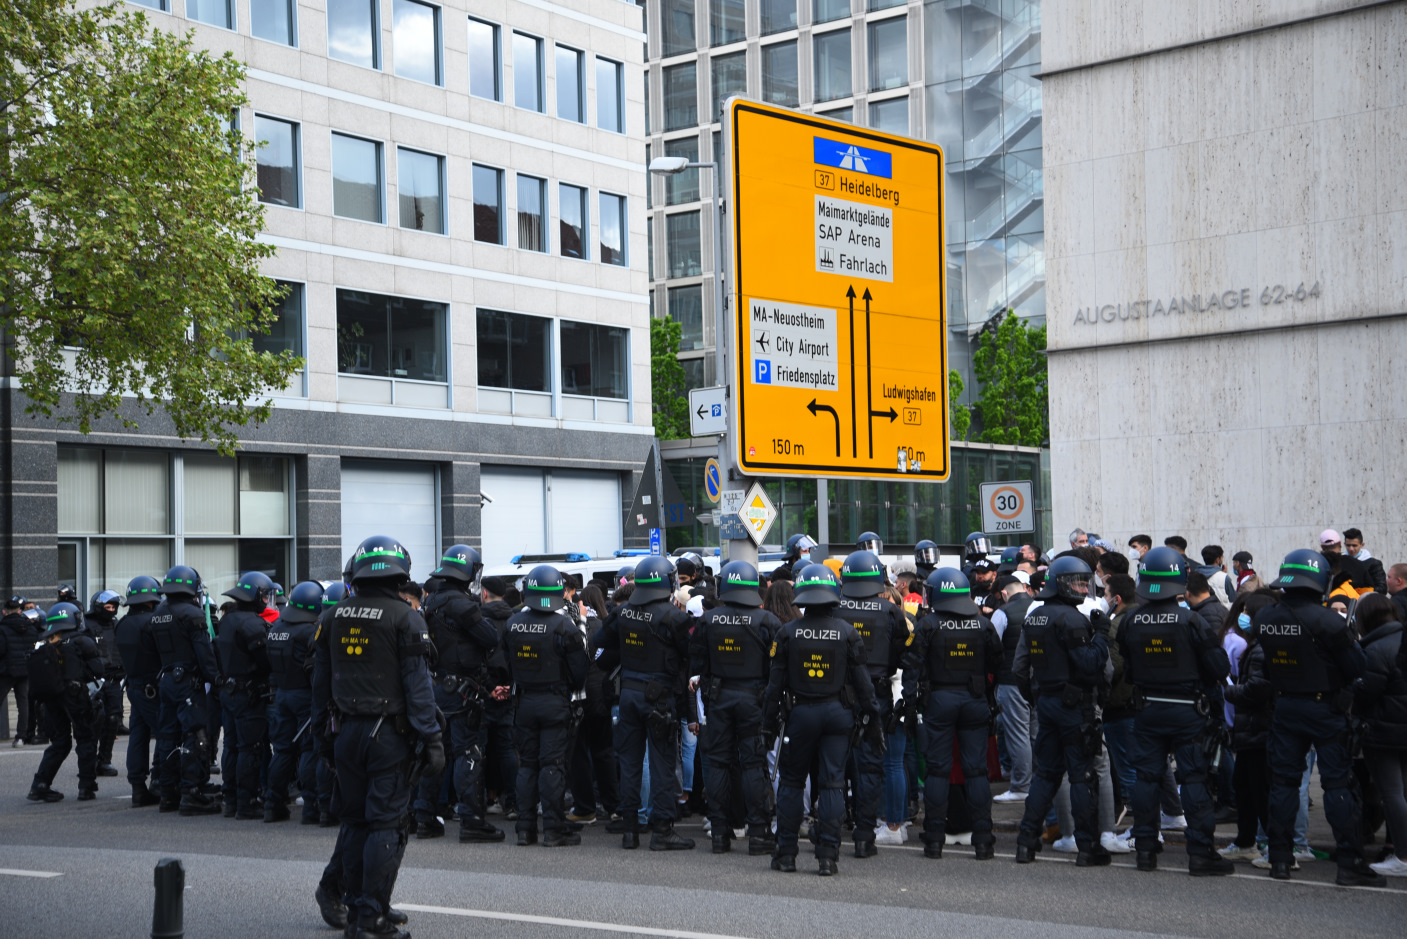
(1006, 507)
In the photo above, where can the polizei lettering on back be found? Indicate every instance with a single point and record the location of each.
(358, 612)
(527, 627)
(1155, 618)
(1280, 629)
(808, 633)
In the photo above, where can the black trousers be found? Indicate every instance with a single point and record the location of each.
(110, 695)
(542, 730)
(146, 717)
(819, 735)
(1298, 724)
(732, 738)
(632, 730)
(1252, 794)
(23, 723)
(501, 760)
(594, 769)
(69, 718)
(246, 719)
(949, 713)
(182, 743)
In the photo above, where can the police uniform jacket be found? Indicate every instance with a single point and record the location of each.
(731, 643)
(103, 627)
(178, 635)
(884, 629)
(497, 614)
(815, 659)
(141, 664)
(545, 652)
(652, 641)
(80, 661)
(1170, 650)
(952, 651)
(463, 640)
(289, 648)
(241, 644)
(1058, 646)
(1309, 650)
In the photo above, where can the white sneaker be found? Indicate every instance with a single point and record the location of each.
(886, 835)
(1066, 845)
(707, 826)
(1114, 844)
(1234, 852)
(960, 838)
(740, 833)
(1304, 854)
(1011, 795)
(904, 832)
(1263, 863)
(1173, 822)
(1392, 867)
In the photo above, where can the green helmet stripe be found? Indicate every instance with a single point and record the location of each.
(742, 583)
(1301, 567)
(861, 573)
(535, 587)
(1159, 573)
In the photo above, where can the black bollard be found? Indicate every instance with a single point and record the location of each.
(168, 912)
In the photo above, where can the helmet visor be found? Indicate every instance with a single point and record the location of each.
(1074, 586)
(871, 544)
(928, 556)
(980, 546)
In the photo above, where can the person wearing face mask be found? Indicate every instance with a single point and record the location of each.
(1248, 702)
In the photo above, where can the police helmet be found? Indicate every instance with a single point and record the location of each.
(1011, 556)
(1162, 574)
(926, 554)
(461, 564)
(63, 618)
(347, 569)
(737, 583)
(797, 545)
(1304, 570)
(304, 603)
(654, 580)
(1067, 577)
(861, 575)
(181, 581)
(624, 574)
(948, 591)
(545, 589)
(689, 565)
(334, 594)
(66, 594)
(380, 557)
(816, 584)
(279, 598)
(870, 542)
(35, 615)
(252, 587)
(143, 589)
(103, 598)
(976, 546)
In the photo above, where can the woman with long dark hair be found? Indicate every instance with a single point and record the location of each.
(779, 603)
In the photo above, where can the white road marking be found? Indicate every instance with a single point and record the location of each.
(571, 923)
(17, 873)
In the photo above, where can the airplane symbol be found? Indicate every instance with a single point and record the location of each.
(762, 341)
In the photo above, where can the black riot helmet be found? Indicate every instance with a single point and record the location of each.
(304, 603)
(626, 573)
(816, 586)
(976, 546)
(1067, 577)
(279, 598)
(461, 564)
(334, 594)
(66, 594)
(63, 618)
(871, 542)
(143, 589)
(544, 589)
(252, 587)
(862, 575)
(35, 615)
(1162, 574)
(1304, 570)
(380, 557)
(103, 598)
(926, 554)
(181, 581)
(347, 569)
(654, 580)
(948, 591)
(737, 583)
(689, 565)
(797, 545)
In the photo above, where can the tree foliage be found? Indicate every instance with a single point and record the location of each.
(128, 259)
(1014, 404)
(959, 415)
(668, 386)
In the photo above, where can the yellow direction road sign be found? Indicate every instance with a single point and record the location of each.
(839, 344)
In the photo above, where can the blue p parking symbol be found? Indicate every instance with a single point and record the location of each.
(761, 372)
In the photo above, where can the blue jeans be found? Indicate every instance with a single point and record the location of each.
(896, 779)
(688, 746)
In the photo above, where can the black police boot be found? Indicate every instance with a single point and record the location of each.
(471, 830)
(107, 769)
(618, 826)
(865, 848)
(41, 792)
(630, 840)
(276, 812)
(193, 803)
(560, 839)
(1096, 856)
(379, 928)
(334, 911)
(429, 828)
(327, 820)
(526, 838)
(231, 809)
(170, 801)
(786, 863)
(1026, 853)
(984, 852)
(252, 812)
(395, 916)
(142, 796)
(87, 794)
(1359, 874)
(827, 867)
(1280, 870)
(1148, 860)
(670, 840)
(758, 845)
(1209, 865)
(722, 842)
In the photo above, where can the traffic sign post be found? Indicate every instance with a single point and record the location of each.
(839, 340)
(1006, 507)
(708, 411)
(713, 481)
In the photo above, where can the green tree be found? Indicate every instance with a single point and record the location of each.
(128, 259)
(668, 388)
(960, 415)
(1015, 403)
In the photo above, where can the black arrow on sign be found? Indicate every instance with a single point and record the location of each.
(891, 414)
(869, 380)
(700, 412)
(854, 415)
(813, 407)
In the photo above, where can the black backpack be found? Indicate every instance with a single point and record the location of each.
(46, 670)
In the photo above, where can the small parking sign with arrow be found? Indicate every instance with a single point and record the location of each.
(708, 411)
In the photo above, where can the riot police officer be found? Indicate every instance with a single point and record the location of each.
(501, 755)
(370, 677)
(729, 651)
(651, 636)
(62, 668)
(1176, 663)
(946, 669)
(244, 662)
(546, 656)
(975, 547)
(143, 670)
(1062, 657)
(464, 641)
(818, 676)
(884, 630)
(179, 634)
(925, 559)
(868, 541)
(101, 623)
(1311, 660)
(289, 645)
(797, 556)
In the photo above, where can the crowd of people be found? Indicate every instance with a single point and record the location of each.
(849, 699)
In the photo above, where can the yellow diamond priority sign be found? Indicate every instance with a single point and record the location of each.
(757, 513)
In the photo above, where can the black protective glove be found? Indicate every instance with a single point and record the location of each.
(874, 731)
(1101, 623)
(434, 755)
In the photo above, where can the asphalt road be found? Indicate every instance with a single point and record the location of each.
(85, 869)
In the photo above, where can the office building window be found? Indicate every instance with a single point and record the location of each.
(650, 248)
(874, 5)
(416, 32)
(832, 55)
(779, 74)
(610, 95)
(777, 15)
(683, 187)
(678, 26)
(527, 72)
(571, 212)
(613, 225)
(151, 4)
(515, 351)
(649, 177)
(890, 116)
(681, 98)
(571, 84)
(727, 22)
(285, 333)
(647, 102)
(484, 61)
(594, 360)
(214, 12)
(277, 167)
(352, 32)
(488, 204)
(889, 54)
(390, 337)
(532, 213)
(422, 191)
(686, 309)
(356, 178)
(272, 20)
(729, 78)
(824, 11)
(846, 114)
(681, 237)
